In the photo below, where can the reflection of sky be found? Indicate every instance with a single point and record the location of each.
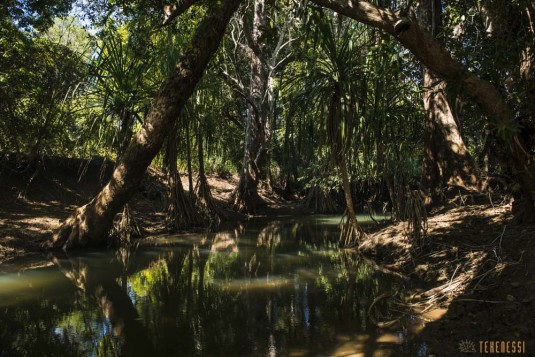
(306, 308)
(131, 293)
(90, 335)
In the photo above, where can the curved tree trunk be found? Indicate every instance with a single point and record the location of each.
(435, 57)
(446, 158)
(90, 224)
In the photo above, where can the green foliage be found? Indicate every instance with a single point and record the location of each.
(37, 79)
(33, 14)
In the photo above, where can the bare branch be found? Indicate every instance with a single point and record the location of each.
(171, 12)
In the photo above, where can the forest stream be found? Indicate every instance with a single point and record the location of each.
(265, 288)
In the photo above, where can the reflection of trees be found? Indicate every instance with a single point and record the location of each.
(114, 302)
(231, 293)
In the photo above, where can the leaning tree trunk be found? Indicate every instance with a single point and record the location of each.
(446, 158)
(90, 224)
(435, 57)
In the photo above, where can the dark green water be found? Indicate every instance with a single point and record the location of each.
(266, 288)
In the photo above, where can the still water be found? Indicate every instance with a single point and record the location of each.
(263, 288)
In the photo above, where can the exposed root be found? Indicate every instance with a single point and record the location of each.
(206, 202)
(245, 198)
(320, 201)
(125, 226)
(181, 213)
(351, 233)
(81, 229)
(416, 215)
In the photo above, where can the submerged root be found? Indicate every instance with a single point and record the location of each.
(320, 201)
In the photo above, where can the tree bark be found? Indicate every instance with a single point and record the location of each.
(90, 224)
(188, 154)
(435, 57)
(512, 28)
(246, 198)
(446, 158)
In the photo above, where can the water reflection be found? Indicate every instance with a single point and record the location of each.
(270, 289)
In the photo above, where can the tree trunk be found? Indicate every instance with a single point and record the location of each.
(90, 224)
(446, 158)
(181, 213)
(246, 198)
(504, 23)
(351, 231)
(203, 194)
(188, 153)
(435, 57)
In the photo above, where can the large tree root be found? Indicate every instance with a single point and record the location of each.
(83, 228)
(245, 199)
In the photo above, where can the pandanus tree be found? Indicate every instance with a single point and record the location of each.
(335, 77)
(207, 107)
(121, 89)
(91, 223)
(120, 84)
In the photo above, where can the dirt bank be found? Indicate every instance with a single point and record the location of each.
(476, 266)
(33, 203)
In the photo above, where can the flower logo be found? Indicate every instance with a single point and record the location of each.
(467, 346)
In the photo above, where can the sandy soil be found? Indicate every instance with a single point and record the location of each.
(33, 204)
